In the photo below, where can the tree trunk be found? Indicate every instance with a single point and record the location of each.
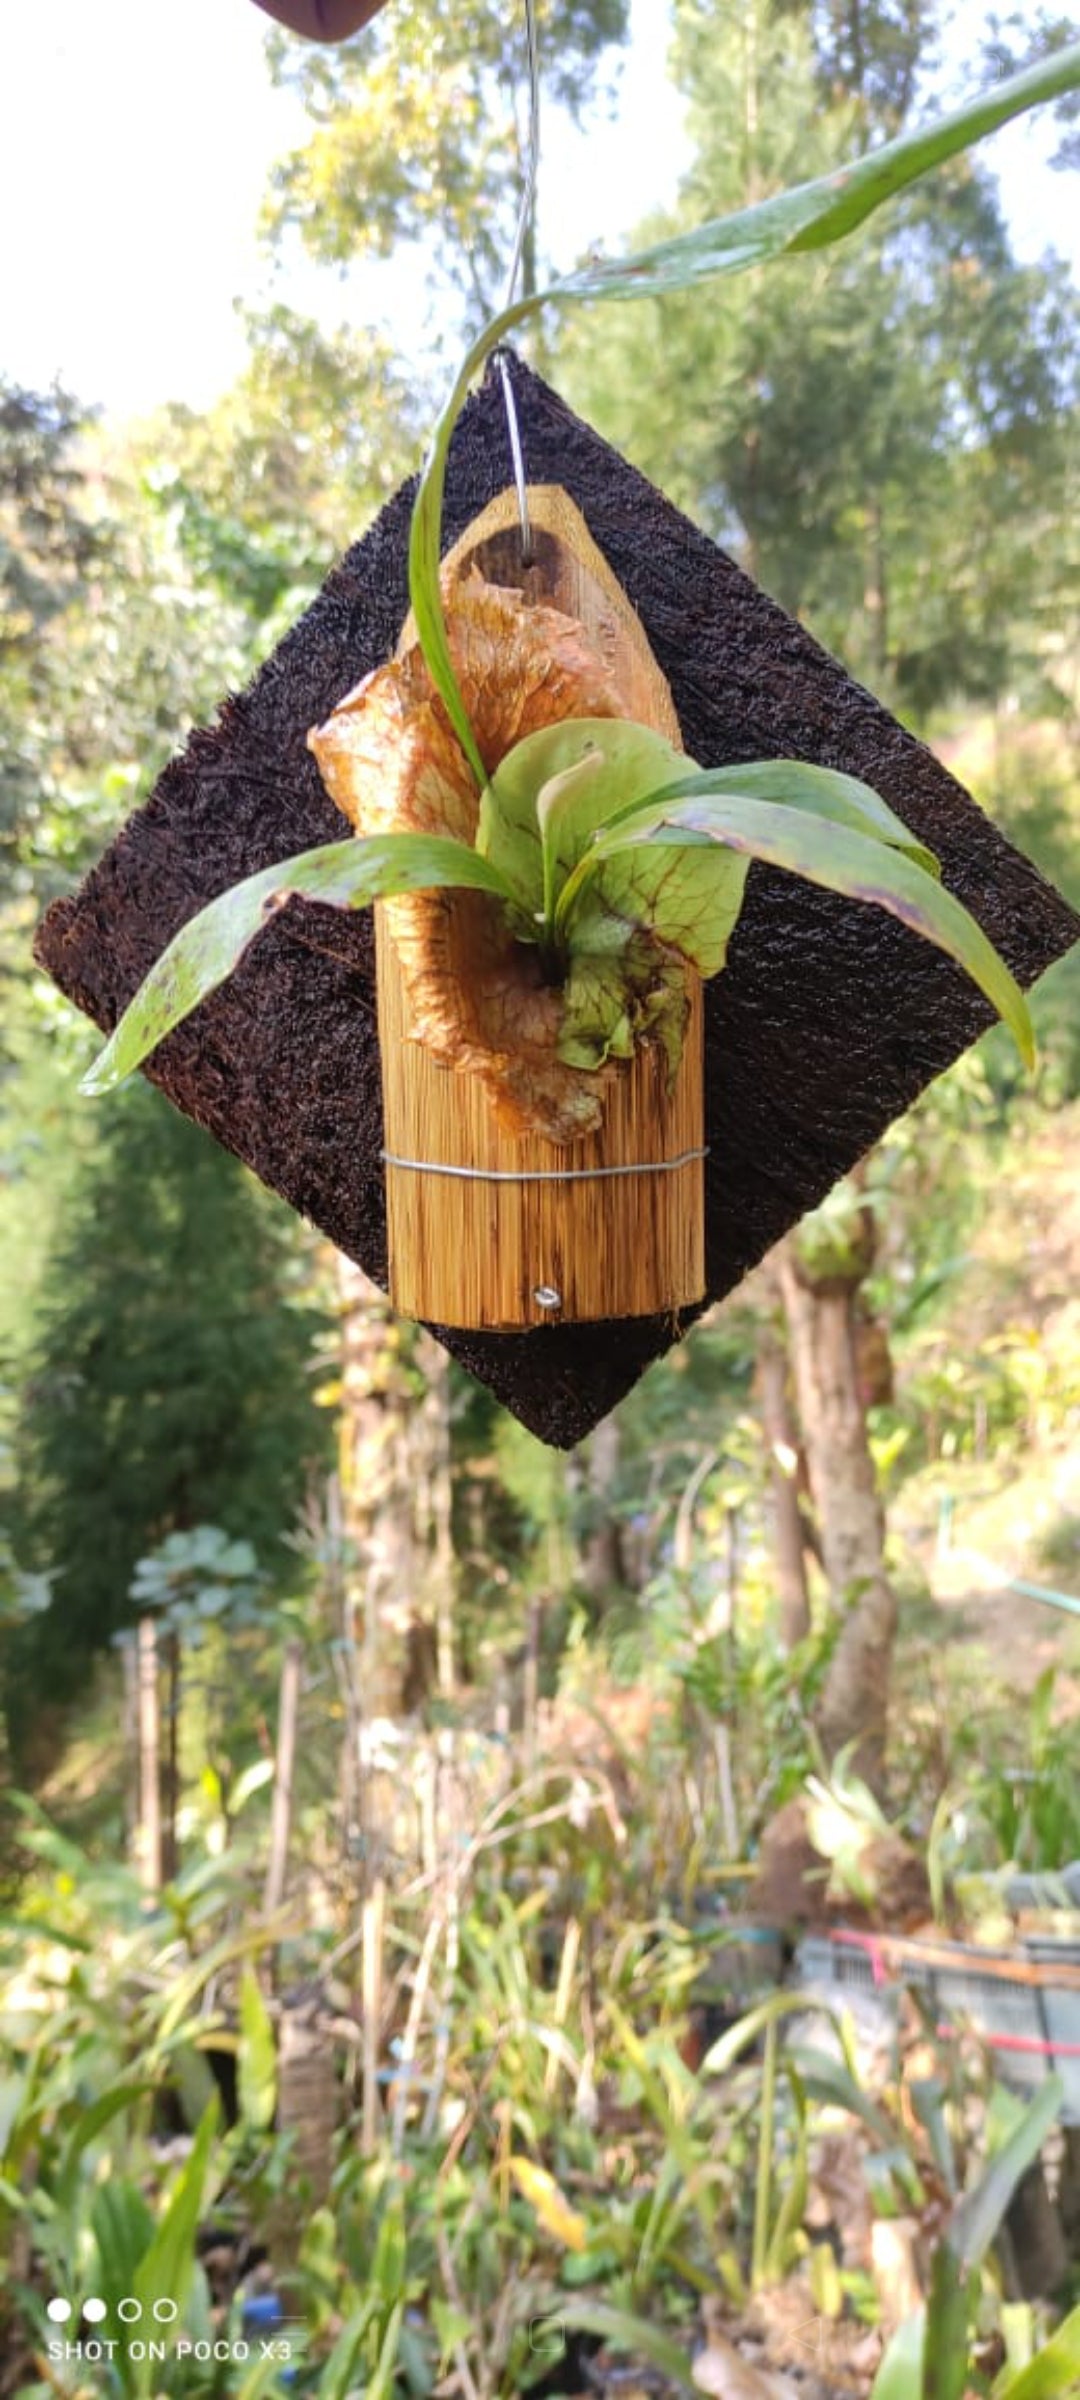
(396, 1497)
(601, 1550)
(783, 1447)
(379, 1399)
(821, 1315)
(149, 1761)
(435, 1495)
(284, 1764)
(170, 1858)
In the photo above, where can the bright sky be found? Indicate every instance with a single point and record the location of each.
(135, 142)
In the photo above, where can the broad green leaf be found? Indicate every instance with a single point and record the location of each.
(976, 2218)
(123, 2230)
(841, 861)
(619, 763)
(256, 2056)
(344, 874)
(927, 2095)
(551, 795)
(1053, 2373)
(806, 218)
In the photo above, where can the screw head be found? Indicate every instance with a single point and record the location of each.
(546, 1296)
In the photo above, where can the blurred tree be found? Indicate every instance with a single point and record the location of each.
(887, 440)
(49, 550)
(883, 436)
(419, 131)
(168, 1384)
(820, 1270)
(269, 485)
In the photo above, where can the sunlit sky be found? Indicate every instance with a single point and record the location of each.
(135, 143)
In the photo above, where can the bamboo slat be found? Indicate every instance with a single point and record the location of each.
(473, 1250)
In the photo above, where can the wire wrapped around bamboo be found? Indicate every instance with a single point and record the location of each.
(497, 1230)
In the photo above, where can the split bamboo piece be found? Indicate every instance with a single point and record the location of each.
(486, 1247)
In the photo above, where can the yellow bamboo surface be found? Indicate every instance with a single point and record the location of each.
(486, 1248)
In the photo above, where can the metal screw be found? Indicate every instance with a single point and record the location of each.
(546, 1296)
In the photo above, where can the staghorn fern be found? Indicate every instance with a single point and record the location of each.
(594, 835)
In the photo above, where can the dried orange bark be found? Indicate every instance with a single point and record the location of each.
(391, 762)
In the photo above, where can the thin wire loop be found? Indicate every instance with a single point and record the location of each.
(528, 197)
(648, 1166)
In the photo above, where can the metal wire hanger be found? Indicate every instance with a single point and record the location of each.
(525, 210)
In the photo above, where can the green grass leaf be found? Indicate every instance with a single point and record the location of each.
(948, 2324)
(166, 2270)
(1054, 2372)
(256, 2056)
(976, 2217)
(623, 2331)
(900, 2375)
(841, 861)
(347, 874)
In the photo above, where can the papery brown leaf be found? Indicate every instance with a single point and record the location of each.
(390, 761)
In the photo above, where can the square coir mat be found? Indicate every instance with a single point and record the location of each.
(827, 1022)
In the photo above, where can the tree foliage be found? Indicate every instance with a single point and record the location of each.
(49, 548)
(884, 437)
(169, 1382)
(419, 130)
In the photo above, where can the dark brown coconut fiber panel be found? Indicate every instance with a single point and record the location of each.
(827, 1022)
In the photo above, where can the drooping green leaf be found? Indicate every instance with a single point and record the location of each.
(825, 2079)
(744, 2034)
(621, 2330)
(348, 874)
(976, 2217)
(693, 902)
(838, 859)
(816, 791)
(90, 2122)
